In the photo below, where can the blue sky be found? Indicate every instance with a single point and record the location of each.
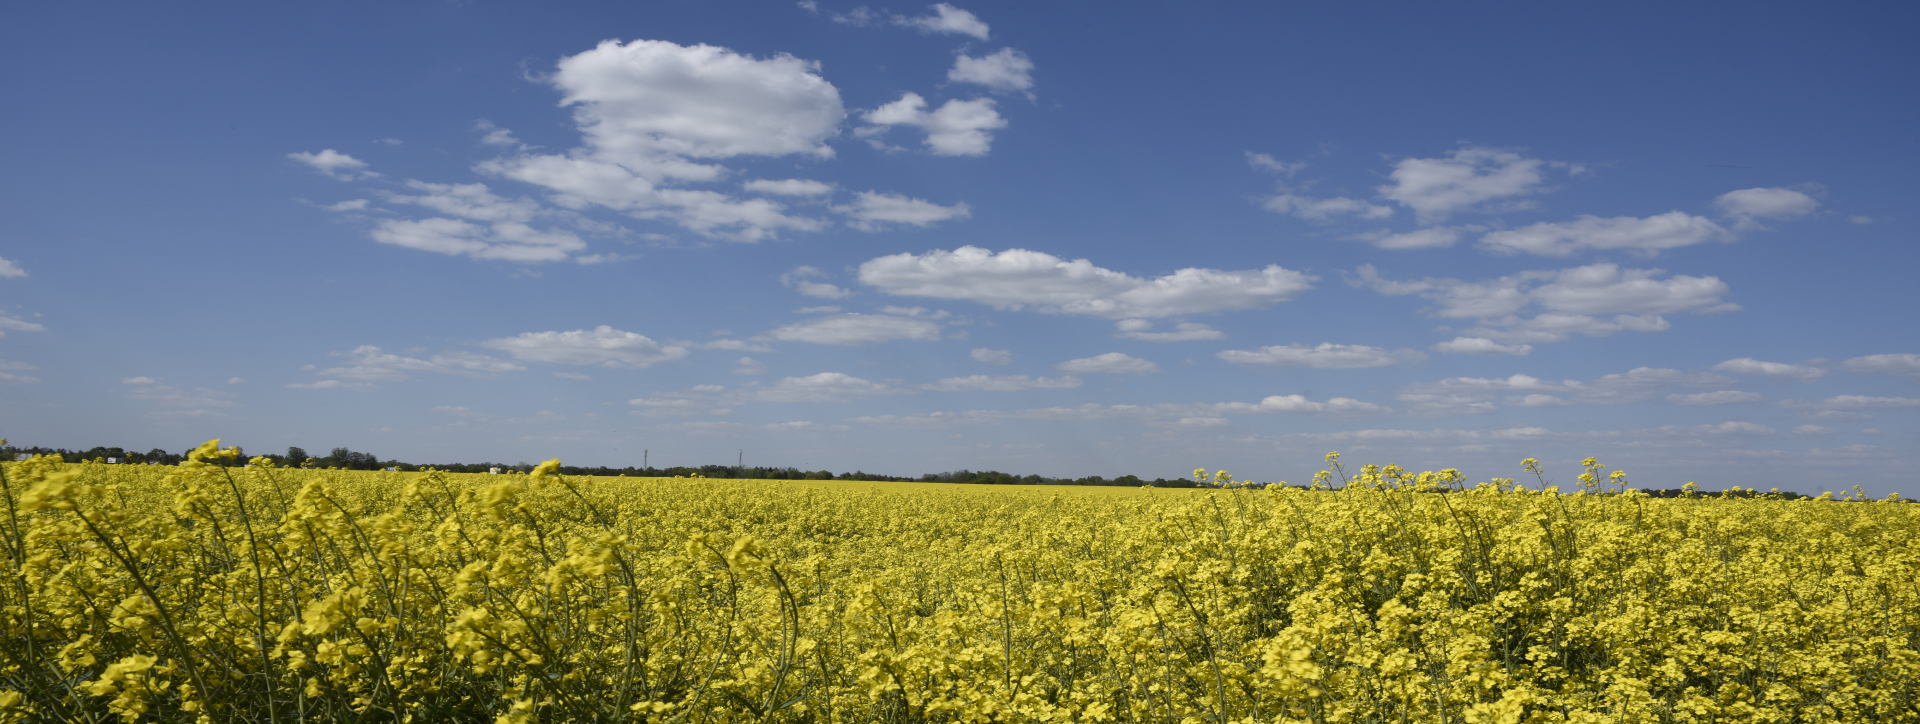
(1063, 238)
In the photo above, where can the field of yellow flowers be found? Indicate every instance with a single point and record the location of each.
(251, 594)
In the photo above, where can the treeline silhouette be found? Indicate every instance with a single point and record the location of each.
(346, 459)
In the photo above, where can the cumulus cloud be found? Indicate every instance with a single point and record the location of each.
(798, 280)
(789, 187)
(1775, 370)
(947, 19)
(1265, 162)
(603, 346)
(1182, 331)
(652, 113)
(332, 385)
(1564, 302)
(992, 356)
(857, 329)
(1748, 208)
(749, 366)
(1721, 397)
(11, 269)
(956, 128)
(1017, 278)
(334, 164)
(1864, 402)
(368, 362)
(1325, 356)
(1435, 188)
(9, 322)
(1112, 363)
(1312, 209)
(8, 367)
(1006, 70)
(1890, 364)
(873, 211)
(1002, 383)
(1481, 346)
(1643, 237)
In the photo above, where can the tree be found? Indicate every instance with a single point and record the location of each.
(296, 456)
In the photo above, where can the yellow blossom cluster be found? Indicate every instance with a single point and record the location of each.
(211, 592)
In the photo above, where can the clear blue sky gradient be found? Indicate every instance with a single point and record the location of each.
(173, 271)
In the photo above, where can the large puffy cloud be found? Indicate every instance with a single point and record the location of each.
(602, 345)
(1436, 187)
(1646, 237)
(1325, 356)
(1775, 370)
(857, 329)
(1005, 70)
(1748, 207)
(956, 128)
(1480, 346)
(1569, 301)
(1111, 363)
(1018, 278)
(9, 268)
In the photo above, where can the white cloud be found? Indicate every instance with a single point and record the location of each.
(1268, 163)
(857, 329)
(469, 201)
(992, 356)
(348, 205)
(648, 108)
(749, 366)
(1018, 278)
(1722, 397)
(1644, 237)
(1475, 395)
(1480, 345)
(1298, 403)
(11, 269)
(1325, 356)
(335, 164)
(1183, 331)
(826, 309)
(1775, 370)
(1747, 207)
(11, 378)
(798, 281)
(368, 362)
(1814, 430)
(823, 387)
(139, 381)
(1002, 383)
(956, 128)
(1891, 364)
(1731, 427)
(735, 345)
(235, 380)
(332, 385)
(872, 211)
(1863, 402)
(18, 325)
(507, 241)
(1312, 209)
(1436, 187)
(1860, 219)
(1006, 70)
(1569, 297)
(789, 187)
(572, 376)
(948, 19)
(1112, 363)
(1438, 237)
(928, 420)
(602, 345)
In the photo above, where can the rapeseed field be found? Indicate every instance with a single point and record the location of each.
(215, 593)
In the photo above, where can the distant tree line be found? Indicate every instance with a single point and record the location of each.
(346, 459)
